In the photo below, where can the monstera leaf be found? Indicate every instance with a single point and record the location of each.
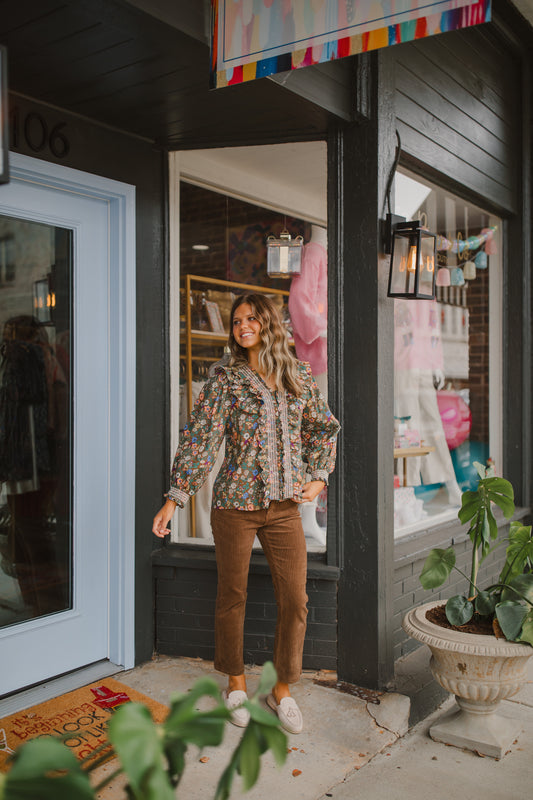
(437, 567)
(459, 610)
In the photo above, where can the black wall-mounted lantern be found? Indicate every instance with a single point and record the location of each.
(412, 264)
(4, 142)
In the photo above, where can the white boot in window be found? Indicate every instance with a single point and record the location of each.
(312, 529)
(454, 493)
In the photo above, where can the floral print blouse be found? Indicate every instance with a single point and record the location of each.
(268, 434)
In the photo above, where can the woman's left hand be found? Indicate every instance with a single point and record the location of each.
(310, 491)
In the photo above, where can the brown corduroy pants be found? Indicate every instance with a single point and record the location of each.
(279, 529)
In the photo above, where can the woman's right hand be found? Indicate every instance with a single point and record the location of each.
(162, 518)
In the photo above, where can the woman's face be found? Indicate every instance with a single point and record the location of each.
(246, 327)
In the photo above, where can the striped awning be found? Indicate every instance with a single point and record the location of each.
(255, 38)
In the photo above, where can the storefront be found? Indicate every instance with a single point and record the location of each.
(459, 172)
(192, 183)
(228, 201)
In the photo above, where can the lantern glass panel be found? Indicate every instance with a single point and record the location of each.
(284, 260)
(426, 276)
(403, 264)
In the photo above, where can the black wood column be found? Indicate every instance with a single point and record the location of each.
(517, 310)
(362, 341)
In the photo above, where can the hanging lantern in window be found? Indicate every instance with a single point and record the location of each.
(491, 247)
(469, 270)
(481, 260)
(284, 255)
(457, 277)
(412, 264)
(443, 277)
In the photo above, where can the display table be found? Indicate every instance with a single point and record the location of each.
(410, 452)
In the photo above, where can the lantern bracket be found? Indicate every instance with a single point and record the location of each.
(391, 221)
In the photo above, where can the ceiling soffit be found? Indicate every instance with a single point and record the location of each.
(112, 62)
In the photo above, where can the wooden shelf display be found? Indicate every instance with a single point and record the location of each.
(193, 338)
(208, 345)
(401, 453)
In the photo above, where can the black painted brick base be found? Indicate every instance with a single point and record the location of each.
(185, 592)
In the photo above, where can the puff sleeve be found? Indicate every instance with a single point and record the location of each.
(200, 440)
(319, 434)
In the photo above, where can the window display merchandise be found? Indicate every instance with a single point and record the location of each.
(446, 358)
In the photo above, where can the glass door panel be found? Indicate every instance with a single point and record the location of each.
(35, 420)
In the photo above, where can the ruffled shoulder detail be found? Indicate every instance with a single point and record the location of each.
(239, 376)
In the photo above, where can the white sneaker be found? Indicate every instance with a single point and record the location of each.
(288, 713)
(233, 701)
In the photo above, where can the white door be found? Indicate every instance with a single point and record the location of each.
(64, 583)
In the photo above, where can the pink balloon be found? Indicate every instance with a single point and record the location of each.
(456, 417)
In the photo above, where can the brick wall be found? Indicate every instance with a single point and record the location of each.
(474, 297)
(478, 354)
(185, 592)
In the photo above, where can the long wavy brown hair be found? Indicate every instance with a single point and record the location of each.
(275, 356)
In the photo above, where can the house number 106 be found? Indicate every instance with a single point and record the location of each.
(36, 134)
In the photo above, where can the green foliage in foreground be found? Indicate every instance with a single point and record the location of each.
(151, 755)
(510, 601)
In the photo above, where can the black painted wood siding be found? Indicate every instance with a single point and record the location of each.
(457, 104)
(111, 62)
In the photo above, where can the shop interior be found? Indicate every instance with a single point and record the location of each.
(235, 204)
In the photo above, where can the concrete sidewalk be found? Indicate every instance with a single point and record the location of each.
(417, 767)
(351, 746)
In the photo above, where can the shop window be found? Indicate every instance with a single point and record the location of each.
(447, 367)
(223, 253)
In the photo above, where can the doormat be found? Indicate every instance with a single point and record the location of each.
(82, 714)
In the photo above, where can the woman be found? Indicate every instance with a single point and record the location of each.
(268, 408)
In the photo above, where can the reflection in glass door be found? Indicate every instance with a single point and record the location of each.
(35, 420)
(67, 423)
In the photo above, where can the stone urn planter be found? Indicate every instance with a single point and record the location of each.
(480, 671)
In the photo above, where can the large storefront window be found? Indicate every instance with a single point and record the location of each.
(447, 353)
(223, 253)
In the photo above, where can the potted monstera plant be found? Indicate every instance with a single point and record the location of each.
(480, 641)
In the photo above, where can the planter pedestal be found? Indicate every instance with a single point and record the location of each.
(480, 671)
(476, 728)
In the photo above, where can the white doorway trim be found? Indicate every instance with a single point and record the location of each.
(121, 305)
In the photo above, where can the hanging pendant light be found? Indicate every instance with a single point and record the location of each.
(284, 255)
(469, 270)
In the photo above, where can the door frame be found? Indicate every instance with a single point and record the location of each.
(120, 199)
